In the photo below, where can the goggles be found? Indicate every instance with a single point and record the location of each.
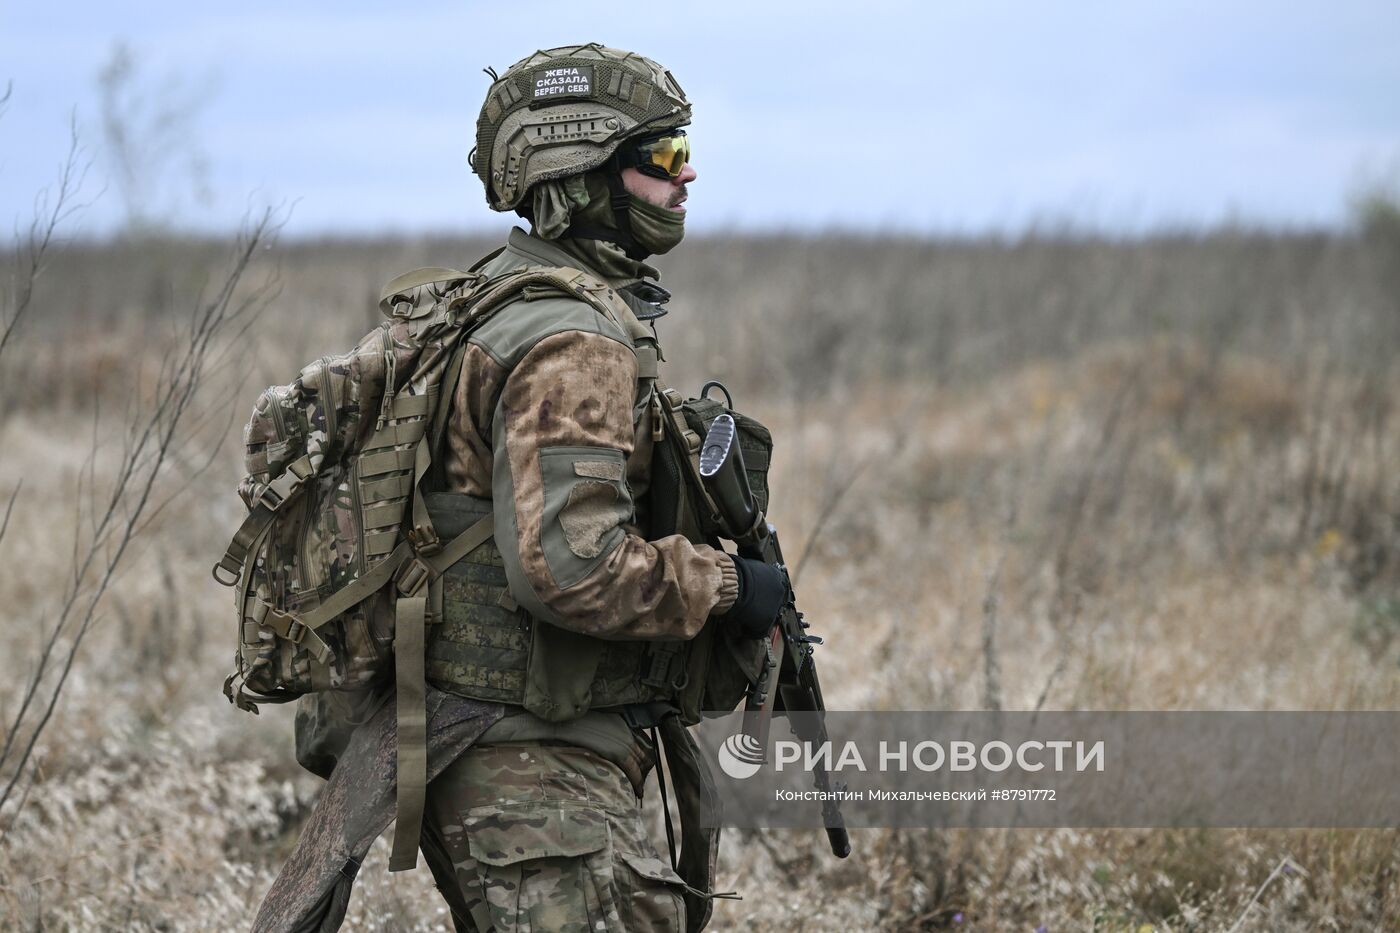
(657, 156)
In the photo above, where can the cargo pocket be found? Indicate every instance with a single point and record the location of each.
(586, 501)
(544, 866)
(651, 895)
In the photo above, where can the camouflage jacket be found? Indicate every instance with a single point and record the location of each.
(549, 420)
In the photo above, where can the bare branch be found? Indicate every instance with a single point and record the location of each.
(829, 508)
(151, 445)
(839, 490)
(30, 689)
(48, 218)
(1286, 864)
(1062, 646)
(215, 451)
(991, 659)
(9, 509)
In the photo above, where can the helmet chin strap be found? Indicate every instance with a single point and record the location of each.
(622, 218)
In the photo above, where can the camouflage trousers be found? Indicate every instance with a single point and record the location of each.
(540, 837)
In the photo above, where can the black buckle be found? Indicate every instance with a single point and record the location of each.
(661, 662)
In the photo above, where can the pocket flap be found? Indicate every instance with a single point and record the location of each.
(653, 869)
(504, 835)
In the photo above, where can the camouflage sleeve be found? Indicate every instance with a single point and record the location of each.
(562, 435)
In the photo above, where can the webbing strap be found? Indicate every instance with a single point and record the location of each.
(422, 570)
(396, 434)
(476, 535)
(409, 406)
(381, 541)
(260, 518)
(410, 679)
(292, 629)
(410, 613)
(391, 487)
(421, 531)
(356, 591)
(258, 521)
(411, 684)
(385, 461)
(659, 659)
(384, 515)
(445, 394)
(676, 420)
(410, 616)
(417, 278)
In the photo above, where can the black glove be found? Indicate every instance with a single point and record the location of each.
(762, 595)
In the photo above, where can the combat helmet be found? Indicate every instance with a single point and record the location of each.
(564, 111)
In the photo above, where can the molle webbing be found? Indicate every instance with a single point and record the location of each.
(481, 649)
(478, 648)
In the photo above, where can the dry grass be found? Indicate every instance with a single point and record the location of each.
(1177, 454)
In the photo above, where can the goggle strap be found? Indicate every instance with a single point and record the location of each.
(622, 217)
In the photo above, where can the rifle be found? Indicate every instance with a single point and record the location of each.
(789, 671)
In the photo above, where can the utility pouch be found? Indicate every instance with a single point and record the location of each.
(559, 676)
(676, 506)
(720, 668)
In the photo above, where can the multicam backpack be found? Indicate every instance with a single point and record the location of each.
(330, 568)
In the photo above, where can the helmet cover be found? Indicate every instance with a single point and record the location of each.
(564, 111)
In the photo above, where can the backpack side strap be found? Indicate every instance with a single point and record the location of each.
(264, 510)
(410, 612)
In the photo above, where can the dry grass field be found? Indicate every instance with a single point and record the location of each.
(1056, 471)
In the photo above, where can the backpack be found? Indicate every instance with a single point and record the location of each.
(331, 566)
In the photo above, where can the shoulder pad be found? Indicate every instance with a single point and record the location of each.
(412, 294)
(533, 284)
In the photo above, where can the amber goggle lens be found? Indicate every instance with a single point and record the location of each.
(663, 156)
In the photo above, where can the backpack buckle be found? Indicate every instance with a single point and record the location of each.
(304, 636)
(298, 633)
(413, 577)
(284, 486)
(277, 491)
(424, 539)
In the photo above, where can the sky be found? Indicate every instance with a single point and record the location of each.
(940, 117)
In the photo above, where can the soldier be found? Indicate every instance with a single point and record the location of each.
(580, 615)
